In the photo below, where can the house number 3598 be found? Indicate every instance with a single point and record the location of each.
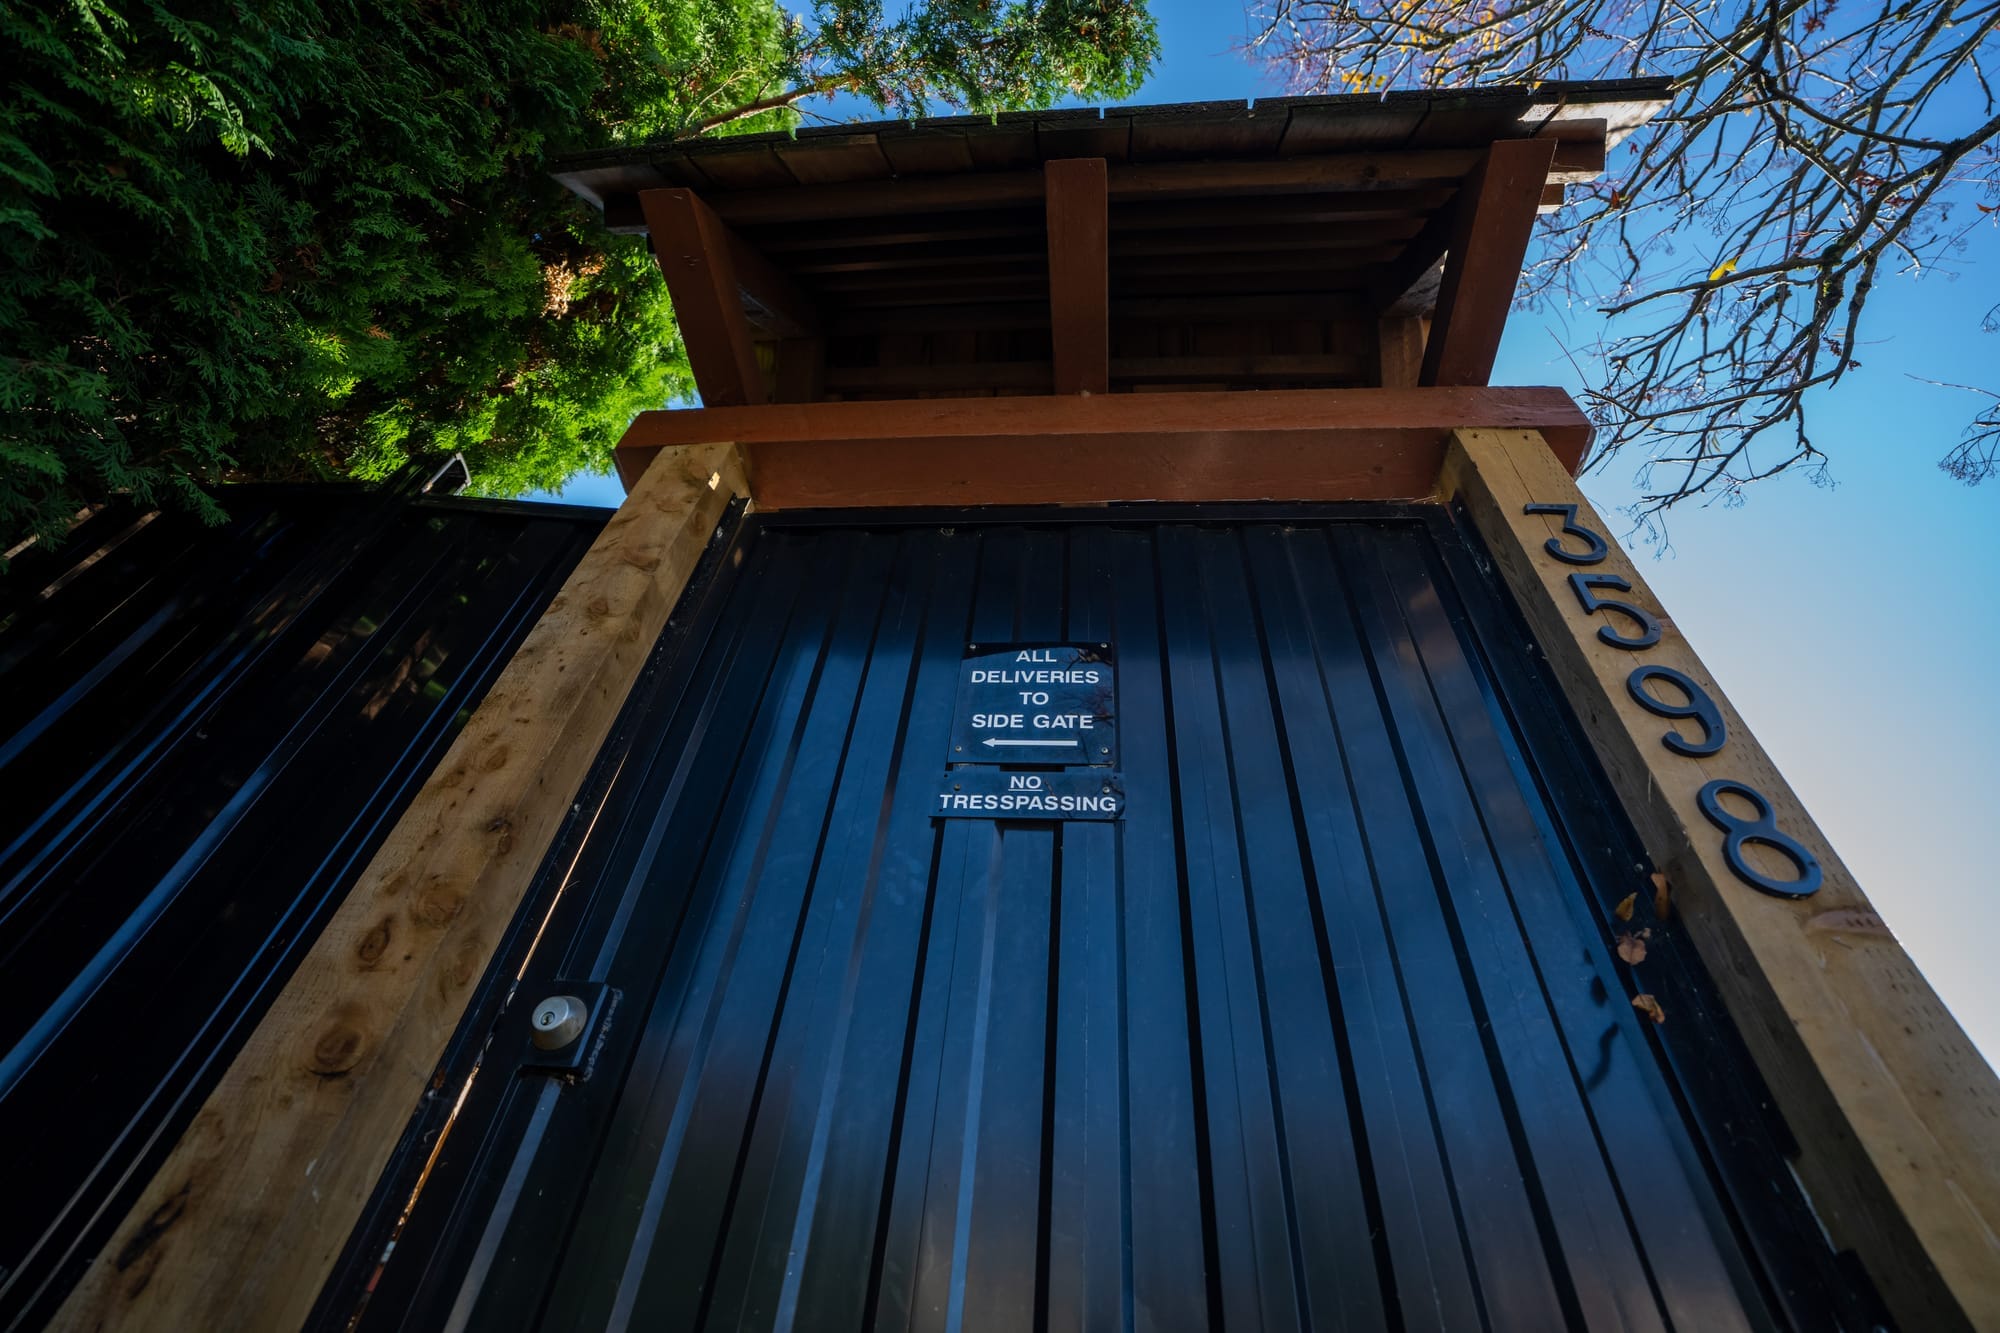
(1635, 629)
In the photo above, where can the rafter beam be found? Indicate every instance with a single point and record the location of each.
(1491, 223)
(726, 294)
(693, 247)
(1079, 274)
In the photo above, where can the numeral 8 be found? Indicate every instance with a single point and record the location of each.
(1764, 829)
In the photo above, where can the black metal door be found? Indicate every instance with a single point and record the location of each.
(1327, 1031)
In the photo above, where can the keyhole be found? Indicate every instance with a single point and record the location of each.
(548, 1015)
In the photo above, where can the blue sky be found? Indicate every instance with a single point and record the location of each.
(1852, 626)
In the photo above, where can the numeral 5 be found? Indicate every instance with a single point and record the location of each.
(1649, 628)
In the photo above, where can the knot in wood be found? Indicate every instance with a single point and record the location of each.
(437, 904)
(375, 943)
(337, 1051)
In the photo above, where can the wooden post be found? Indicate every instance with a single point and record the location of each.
(1896, 1114)
(801, 370)
(694, 251)
(1079, 274)
(243, 1222)
(1491, 223)
(1399, 341)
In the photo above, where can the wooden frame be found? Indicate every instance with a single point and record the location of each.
(1289, 444)
(242, 1224)
(1896, 1114)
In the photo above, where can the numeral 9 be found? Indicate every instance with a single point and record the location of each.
(1715, 733)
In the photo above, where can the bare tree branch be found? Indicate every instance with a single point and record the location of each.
(1808, 153)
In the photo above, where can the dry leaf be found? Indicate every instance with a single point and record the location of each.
(1624, 909)
(1650, 1007)
(1663, 906)
(1632, 948)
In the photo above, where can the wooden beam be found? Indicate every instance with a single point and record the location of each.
(1408, 284)
(1580, 155)
(773, 304)
(1039, 376)
(1313, 260)
(1248, 237)
(1334, 286)
(1232, 309)
(879, 198)
(801, 371)
(950, 292)
(1240, 367)
(1582, 147)
(1029, 267)
(1024, 225)
(1280, 444)
(1332, 173)
(1284, 210)
(1079, 274)
(243, 1222)
(698, 259)
(1012, 314)
(887, 258)
(942, 377)
(1375, 180)
(1239, 308)
(1399, 351)
(1491, 222)
(1363, 173)
(1893, 1109)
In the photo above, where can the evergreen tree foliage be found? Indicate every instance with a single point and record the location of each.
(299, 239)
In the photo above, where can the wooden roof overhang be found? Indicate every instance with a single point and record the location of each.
(1340, 256)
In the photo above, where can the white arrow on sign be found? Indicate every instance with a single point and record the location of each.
(990, 741)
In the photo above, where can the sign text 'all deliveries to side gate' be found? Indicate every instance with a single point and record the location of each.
(1034, 735)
